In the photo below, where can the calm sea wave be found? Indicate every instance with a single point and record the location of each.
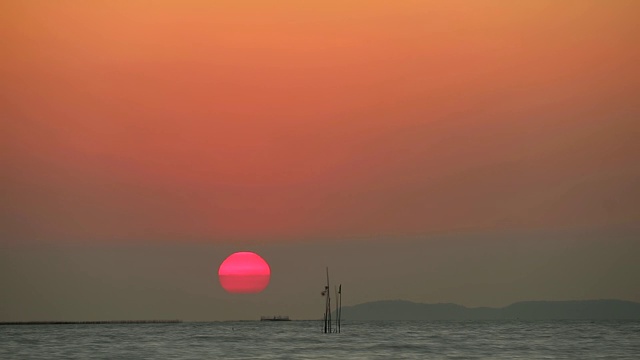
(304, 340)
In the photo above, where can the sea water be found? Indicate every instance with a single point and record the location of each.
(305, 340)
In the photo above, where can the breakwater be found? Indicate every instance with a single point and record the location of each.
(90, 322)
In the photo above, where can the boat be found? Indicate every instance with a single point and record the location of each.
(274, 318)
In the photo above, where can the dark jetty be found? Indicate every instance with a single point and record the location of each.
(275, 318)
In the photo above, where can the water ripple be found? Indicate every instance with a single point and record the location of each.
(304, 340)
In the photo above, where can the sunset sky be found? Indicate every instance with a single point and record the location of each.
(477, 152)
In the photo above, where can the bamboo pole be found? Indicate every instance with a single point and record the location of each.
(335, 289)
(327, 320)
(328, 327)
(339, 300)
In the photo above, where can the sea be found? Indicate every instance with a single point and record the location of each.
(306, 340)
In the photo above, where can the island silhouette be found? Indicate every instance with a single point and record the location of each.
(526, 310)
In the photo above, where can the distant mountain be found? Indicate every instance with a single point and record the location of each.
(527, 310)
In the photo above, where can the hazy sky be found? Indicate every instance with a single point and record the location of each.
(477, 152)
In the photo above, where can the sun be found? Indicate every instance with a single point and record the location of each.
(244, 272)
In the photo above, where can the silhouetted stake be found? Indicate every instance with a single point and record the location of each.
(339, 301)
(337, 293)
(328, 326)
(325, 321)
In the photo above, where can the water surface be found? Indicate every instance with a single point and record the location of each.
(305, 340)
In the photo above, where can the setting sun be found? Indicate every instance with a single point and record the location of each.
(244, 273)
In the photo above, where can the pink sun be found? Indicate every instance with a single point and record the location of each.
(244, 273)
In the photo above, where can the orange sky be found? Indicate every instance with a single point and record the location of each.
(259, 120)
